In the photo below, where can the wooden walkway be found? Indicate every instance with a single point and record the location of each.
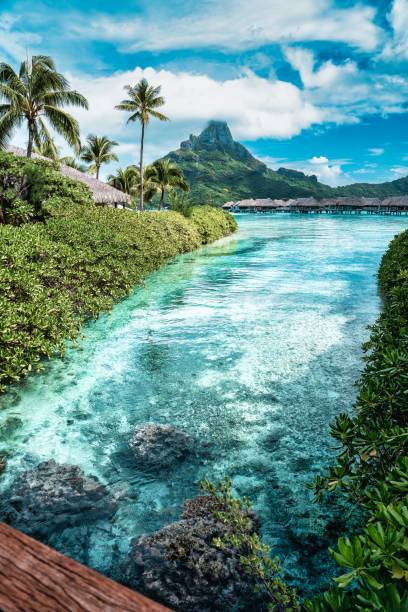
(36, 578)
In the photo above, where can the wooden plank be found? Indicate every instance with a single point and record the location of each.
(36, 578)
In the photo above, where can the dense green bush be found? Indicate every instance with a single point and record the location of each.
(78, 262)
(51, 187)
(372, 466)
(210, 224)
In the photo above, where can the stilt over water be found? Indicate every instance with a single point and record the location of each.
(397, 205)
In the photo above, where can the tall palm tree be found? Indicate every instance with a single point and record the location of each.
(37, 93)
(142, 103)
(98, 151)
(166, 176)
(128, 181)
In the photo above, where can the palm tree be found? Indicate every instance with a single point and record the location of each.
(125, 180)
(128, 181)
(98, 151)
(142, 103)
(46, 148)
(72, 162)
(37, 93)
(166, 176)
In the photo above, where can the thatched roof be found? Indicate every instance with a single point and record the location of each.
(101, 192)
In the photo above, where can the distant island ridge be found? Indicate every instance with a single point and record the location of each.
(220, 170)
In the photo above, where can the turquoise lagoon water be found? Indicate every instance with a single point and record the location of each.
(252, 345)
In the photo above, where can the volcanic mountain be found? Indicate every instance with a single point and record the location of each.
(219, 169)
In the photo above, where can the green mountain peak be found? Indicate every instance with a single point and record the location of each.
(220, 169)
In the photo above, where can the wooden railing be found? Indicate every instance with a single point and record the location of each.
(36, 578)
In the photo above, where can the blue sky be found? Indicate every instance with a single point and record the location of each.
(316, 85)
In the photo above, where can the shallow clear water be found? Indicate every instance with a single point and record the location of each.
(252, 345)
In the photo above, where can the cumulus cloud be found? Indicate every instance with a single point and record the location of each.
(235, 24)
(303, 60)
(326, 172)
(345, 91)
(254, 107)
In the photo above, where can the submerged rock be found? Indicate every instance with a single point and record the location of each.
(9, 427)
(180, 566)
(53, 496)
(159, 446)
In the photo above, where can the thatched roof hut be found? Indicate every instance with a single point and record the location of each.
(102, 193)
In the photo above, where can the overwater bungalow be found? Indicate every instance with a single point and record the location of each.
(396, 205)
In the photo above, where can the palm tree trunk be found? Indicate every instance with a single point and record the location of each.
(161, 199)
(97, 172)
(141, 167)
(30, 139)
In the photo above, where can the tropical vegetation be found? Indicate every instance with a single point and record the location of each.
(37, 94)
(264, 572)
(63, 259)
(166, 177)
(142, 104)
(98, 151)
(128, 181)
(219, 169)
(371, 469)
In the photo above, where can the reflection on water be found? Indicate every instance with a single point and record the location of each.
(251, 345)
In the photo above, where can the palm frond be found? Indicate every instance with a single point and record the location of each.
(8, 122)
(38, 91)
(62, 98)
(44, 143)
(64, 124)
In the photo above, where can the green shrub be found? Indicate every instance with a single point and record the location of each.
(254, 556)
(212, 223)
(47, 184)
(372, 466)
(78, 262)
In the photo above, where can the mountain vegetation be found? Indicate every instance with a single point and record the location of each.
(219, 170)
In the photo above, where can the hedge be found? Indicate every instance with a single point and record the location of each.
(79, 262)
(372, 466)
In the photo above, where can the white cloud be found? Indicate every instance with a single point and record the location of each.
(343, 91)
(364, 171)
(400, 170)
(331, 174)
(376, 151)
(325, 76)
(398, 19)
(235, 24)
(14, 44)
(327, 171)
(253, 106)
(271, 162)
(319, 160)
